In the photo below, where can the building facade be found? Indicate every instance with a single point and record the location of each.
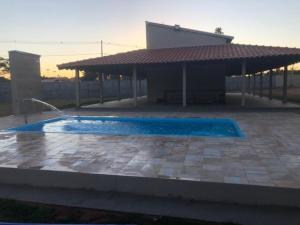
(189, 67)
(205, 83)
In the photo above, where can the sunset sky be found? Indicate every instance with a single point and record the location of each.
(38, 26)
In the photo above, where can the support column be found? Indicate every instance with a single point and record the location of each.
(140, 87)
(243, 102)
(119, 87)
(134, 85)
(249, 84)
(131, 87)
(271, 84)
(254, 84)
(284, 87)
(184, 85)
(261, 84)
(77, 88)
(101, 81)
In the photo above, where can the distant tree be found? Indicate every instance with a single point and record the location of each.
(219, 30)
(4, 79)
(4, 66)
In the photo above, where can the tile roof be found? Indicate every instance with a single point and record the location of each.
(185, 54)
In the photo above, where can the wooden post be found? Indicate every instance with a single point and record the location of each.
(271, 84)
(243, 102)
(261, 84)
(184, 85)
(284, 87)
(77, 88)
(254, 84)
(134, 85)
(119, 87)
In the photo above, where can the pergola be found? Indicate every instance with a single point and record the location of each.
(241, 60)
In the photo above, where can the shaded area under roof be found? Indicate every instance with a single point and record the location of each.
(259, 58)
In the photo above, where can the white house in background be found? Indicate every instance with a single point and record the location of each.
(165, 36)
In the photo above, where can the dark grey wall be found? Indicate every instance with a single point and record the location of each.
(162, 80)
(204, 84)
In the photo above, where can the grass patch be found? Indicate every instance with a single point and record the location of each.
(21, 212)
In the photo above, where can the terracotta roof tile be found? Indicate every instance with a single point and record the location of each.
(185, 54)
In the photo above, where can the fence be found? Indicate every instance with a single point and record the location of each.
(91, 89)
(234, 84)
(5, 92)
(88, 89)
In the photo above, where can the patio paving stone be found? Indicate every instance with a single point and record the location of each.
(269, 155)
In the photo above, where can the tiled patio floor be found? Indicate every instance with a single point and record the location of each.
(233, 101)
(268, 156)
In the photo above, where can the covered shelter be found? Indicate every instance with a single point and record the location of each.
(191, 75)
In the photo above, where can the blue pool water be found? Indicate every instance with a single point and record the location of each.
(136, 126)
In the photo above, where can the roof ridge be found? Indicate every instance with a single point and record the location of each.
(266, 46)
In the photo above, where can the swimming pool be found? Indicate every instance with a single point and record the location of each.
(219, 127)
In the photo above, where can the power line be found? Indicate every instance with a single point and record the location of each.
(48, 42)
(66, 43)
(122, 45)
(76, 54)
